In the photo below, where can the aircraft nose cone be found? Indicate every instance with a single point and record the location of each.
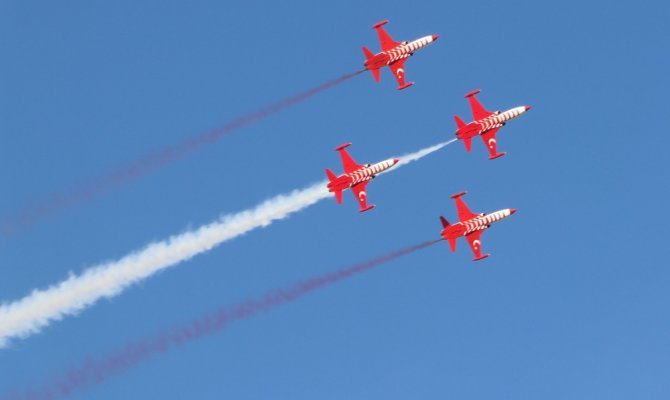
(528, 108)
(435, 37)
(395, 161)
(512, 211)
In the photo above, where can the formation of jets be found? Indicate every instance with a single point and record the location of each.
(484, 124)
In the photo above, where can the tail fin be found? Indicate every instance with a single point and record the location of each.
(452, 244)
(459, 121)
(444, 221)
(369, 56)
(368, 53)
(331, 175)
(468, 143)
(332, 178)
(452, 241)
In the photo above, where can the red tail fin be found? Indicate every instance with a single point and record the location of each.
(375, 74)
(452, 241)
(332, 178)
(444, 221)
(452, 244)
(368, 53)
(459, 121)
(468, 143)
(369, 56)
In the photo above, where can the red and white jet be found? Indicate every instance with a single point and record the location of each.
(356, 177)
(393, 54)
(470, 225)
(486, 124)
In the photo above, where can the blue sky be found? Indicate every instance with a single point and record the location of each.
(571, 304)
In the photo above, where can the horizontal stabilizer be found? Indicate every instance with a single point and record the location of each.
(468, 143)
(369, 57)
(331, 176)
(459, 194)
(459, 122)
(444, 221)
(376, 74)
(452, 244)
(483, 256)
(368, 53)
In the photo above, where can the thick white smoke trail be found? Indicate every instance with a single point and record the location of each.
(28, 315)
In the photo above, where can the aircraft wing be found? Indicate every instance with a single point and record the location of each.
(347, 162)
(476, 245)
(398, 69)
(385, 39)
(478, 111)
(464, 212)
(362, 196)
(489, 139)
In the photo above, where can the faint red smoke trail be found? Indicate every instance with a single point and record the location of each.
(93, 371)
(32, 214)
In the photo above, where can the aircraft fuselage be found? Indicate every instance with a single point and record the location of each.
(401, 51)
(366, 173)
(478, 223)
(495, 120)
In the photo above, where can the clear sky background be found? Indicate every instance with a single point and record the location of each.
(572, 304)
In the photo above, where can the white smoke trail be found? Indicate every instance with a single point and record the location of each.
(24, 317)
(408, 158)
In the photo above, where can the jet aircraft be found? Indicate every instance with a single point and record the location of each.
(356, 177)
(394, 54)
(470, 225)
(485, 124)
